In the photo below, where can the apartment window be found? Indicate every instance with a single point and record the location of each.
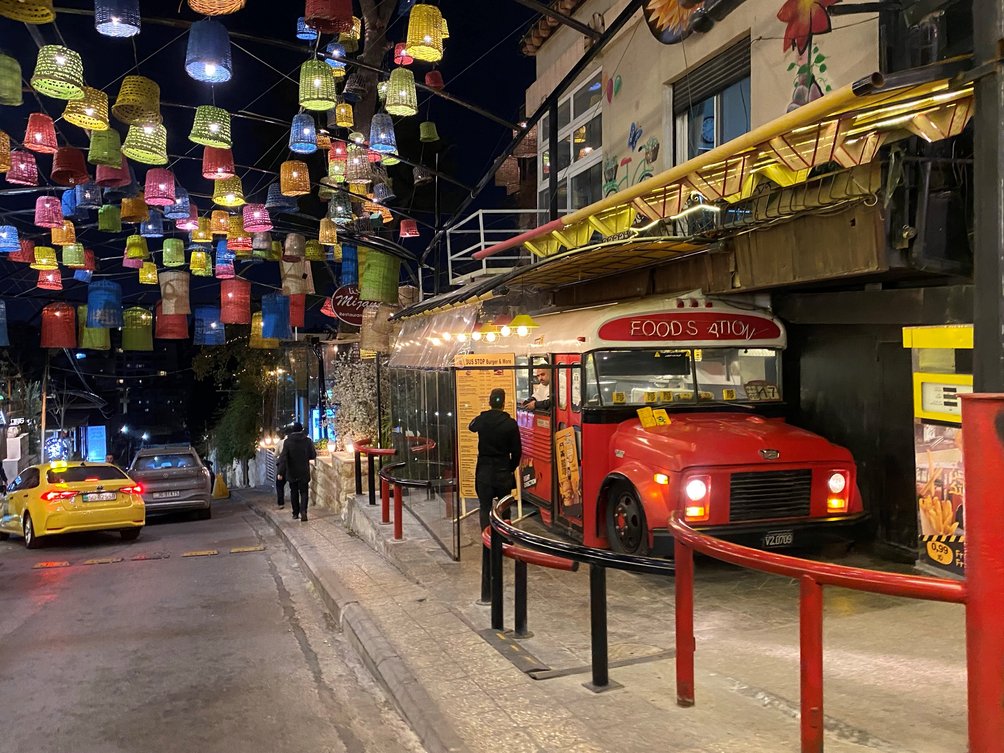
(580, 148)
(711, 104)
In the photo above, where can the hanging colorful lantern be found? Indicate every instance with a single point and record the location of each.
(344, 117)
(83, 275)
(382, 88)
(109, 219)
(10, 81)
(425, 33)
(138, 101)
(91, 338)
(74, 256)
(235, 301)
(382, 136)
(278, 202)
(409, 229)
(65, 234)
(146, 144)
(4, 152)
(216, 7)
(208, 57)
(335, 53)
(256, 340)
(294, 248)
(137, 329)
(382, 193)
(357, 168)
(434, 80)
(90, 111)
(25, 254)
(297, 310)
(10, 242)
(420, 176)
(401, 56)
(229, 192)
(117, 18)
(40, 135)
(159, 188)
(70, 208)
(350, 39)
(86, 196)
(294, 178)
(48, 212)
(238, 239)
(148, 273)
(128, 263)
(49, 279)
(224, 269)
(59, 326)
(59, 73)
(313, 251)
(211, 127)
(209, 329)
(303, 30)
(303, 134)
(317, 86)
(219, 222)
(337, 164)
(256, 218)
(327, 309)
(203, 232)
(198, 263)
(174, 292)
(329, 16)
(402, 98)
(217, 163)
(350, 265)
(275, 317)
(106, 150)
(69, 167)
(23, 169)
(180, 208)
(116, 178)
(45, 258)
(261, 244)
(355, 88)
(153, 225)
(191, 222)
(379, 278)
(136, 247)
(340, 209)
(173, 253)
(328, 232)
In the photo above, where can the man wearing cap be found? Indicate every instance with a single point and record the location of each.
(499, 452)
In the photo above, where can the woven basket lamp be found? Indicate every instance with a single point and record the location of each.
(91, 338)
(23, 169)
(357, 168)
(159, 187)
(238, 239)
(134, 209)
(59, 326)
(382, 193)
(328, 232)
(203, 233)
(208, 329)
(115, 180)
(350, 39)
(257, 218)
(128, 263)
(4, 152)
(191, 222)
(180, 208)
(294, 178)
(10, 82)
(335, 58)
(137, 329)
(198, 263)
(402, 98)
(170, 326)
(110, 219)
(25, 254)
(340, 209)
(304, 31)
(216, 7)
(409, 229)
(174, 285)
(89, 112)
(337, 165)
(380, 277)
(10, 241)
(329, 16)
(317, 86)
(104, 304)
(434, 80)
(208, 58)
(146, 144)
(40, 135)
(297, 310)
(235, 301)
(382, 88)
(313, 251)
(261, 244)
(105, 149)
(48, 212)
(275, 317)
(65, 234)
(117, 18)
(401, 56)
(136, 247)
(45, 258)
(211, 127)
(59, 73)
(49, 279)
(420, 176)
(74, 256)
(219, 223)
(69, 206)
(256, 340)
(69, 167)
(344, 117)
(87, 196)
(173, 253)
(224, 270)
(294, 248)
(277, 202)
(425, 33)
(382, 136)
(153, 226)
(229, 192)
(138, 101)
(303, 134)
(148, 273)
(217, 163)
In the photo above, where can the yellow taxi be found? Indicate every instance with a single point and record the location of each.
(71, 496)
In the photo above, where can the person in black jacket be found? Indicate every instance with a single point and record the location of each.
(499, 453)
(293, 466)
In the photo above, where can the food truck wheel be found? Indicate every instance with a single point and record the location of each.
(626, 527)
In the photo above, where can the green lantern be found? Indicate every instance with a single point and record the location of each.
(10, 81)
(174, 252)
(59, 73)
(106, 148)
(91, 338)
(110, 219)
(137, 329)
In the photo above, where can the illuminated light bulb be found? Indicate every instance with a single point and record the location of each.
(462, 337)
(306, 131)
(491, 337)
(214, 127)
(475, 335)
(505, 330)
(60, 59)
(147, 129)
(230, 197)
(522, 331)
(115, 20)
(447, 336)
(317, 82)
(89, 110)
(210, 69)
(38, 137)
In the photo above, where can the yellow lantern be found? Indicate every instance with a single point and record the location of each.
(425, 33)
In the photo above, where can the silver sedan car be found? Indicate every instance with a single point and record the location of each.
(173, 478)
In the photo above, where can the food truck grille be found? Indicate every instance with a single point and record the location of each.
(770, 494)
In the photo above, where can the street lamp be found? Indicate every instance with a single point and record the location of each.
(146, 437)
(124, 429)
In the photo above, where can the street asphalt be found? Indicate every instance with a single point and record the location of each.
(161, 645)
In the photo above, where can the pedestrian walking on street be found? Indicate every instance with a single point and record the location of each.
(280, 482)
(294, 467)
(499, 452)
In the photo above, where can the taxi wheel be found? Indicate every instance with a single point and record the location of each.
(130, 534)
(626, 527)
(30, 539)
(4, 535)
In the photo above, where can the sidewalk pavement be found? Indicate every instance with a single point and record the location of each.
(894, 668)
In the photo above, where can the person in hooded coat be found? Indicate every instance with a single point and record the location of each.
(293, 466)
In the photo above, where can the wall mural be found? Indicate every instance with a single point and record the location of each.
(634, 170)
(805, 20)
(668, 20)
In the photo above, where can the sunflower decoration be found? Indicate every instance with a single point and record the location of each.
(669, 20)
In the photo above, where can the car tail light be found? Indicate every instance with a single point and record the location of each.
(137, 489)
(52, 496)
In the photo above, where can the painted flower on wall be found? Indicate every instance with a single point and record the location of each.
(804, 18)
(668, 20)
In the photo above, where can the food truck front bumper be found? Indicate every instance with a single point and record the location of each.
(805, 533)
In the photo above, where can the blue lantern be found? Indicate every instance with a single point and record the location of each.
(154, 225)
(208, 57)
(303, 134)
(276, 202)
(305, 32)
(88, 196)
(104, 304)
(116, 18)
(181, 207)
(9, 239)
(4, 340)
(350, 265)
(382, 137)
(209, 330)
(83, 275)
(223, 254)
(336, 56)
(68, 204)
(275, 317)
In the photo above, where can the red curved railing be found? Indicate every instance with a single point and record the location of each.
(531, 557)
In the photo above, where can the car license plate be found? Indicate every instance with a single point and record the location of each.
(99, 497)
(165, 495)
(778, 538)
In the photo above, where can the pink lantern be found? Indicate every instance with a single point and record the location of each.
(128, 263)
(25, 254)
(50, 279)
(192, 221)
(113, 177)
(159, 188)
(23, 169)
(409, 229)
(401, 56)
(256, 218)
(40, 135)
(48, 212)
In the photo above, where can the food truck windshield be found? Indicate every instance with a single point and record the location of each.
(681, 375)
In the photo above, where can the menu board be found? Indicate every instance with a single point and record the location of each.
(476, 376)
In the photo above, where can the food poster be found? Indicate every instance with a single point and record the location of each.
(566, 452)
(476, 376)
(940, 496)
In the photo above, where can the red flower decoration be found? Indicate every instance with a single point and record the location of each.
(804, 18)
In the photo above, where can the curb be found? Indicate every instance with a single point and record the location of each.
(390, 670)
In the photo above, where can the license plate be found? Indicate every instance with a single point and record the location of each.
(778, 538)
(99, 497)
(165, 495)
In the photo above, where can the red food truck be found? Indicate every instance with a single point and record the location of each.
(671, 404)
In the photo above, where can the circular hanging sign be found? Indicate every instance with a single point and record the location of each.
(669, 20)
(347, 305)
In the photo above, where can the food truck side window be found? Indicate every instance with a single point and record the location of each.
(563, 387)
(524, 380)
(592, 382)
(576, 389)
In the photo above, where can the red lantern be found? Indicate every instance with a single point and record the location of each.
(48, 212)
(50, 279)
(235, 301)
(374, 156)
(159, 188)
(401, 56)
(256, 218)
(59, 326)
(329, 16)
(297, 309)
(40, 136)
(90, 263)
(217, 163)
(327, 309)
(69, 167)
(434, 80)
(409, 229)
(26, 253)
(170, 326)
(23, 169)
(339, 149)
(113, 177)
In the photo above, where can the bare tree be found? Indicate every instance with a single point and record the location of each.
(377, 15)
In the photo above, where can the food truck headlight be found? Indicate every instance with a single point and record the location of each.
(661, 478)
(836, 483)
(697, 489)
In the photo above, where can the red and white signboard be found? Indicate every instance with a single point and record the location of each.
(680, 326)
(347, 305)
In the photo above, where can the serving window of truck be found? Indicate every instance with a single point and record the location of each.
(633, 411)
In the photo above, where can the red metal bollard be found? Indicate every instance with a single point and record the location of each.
(398, 523)
(685, 644)
(384, 501)
(810, 623)
(983, 453)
